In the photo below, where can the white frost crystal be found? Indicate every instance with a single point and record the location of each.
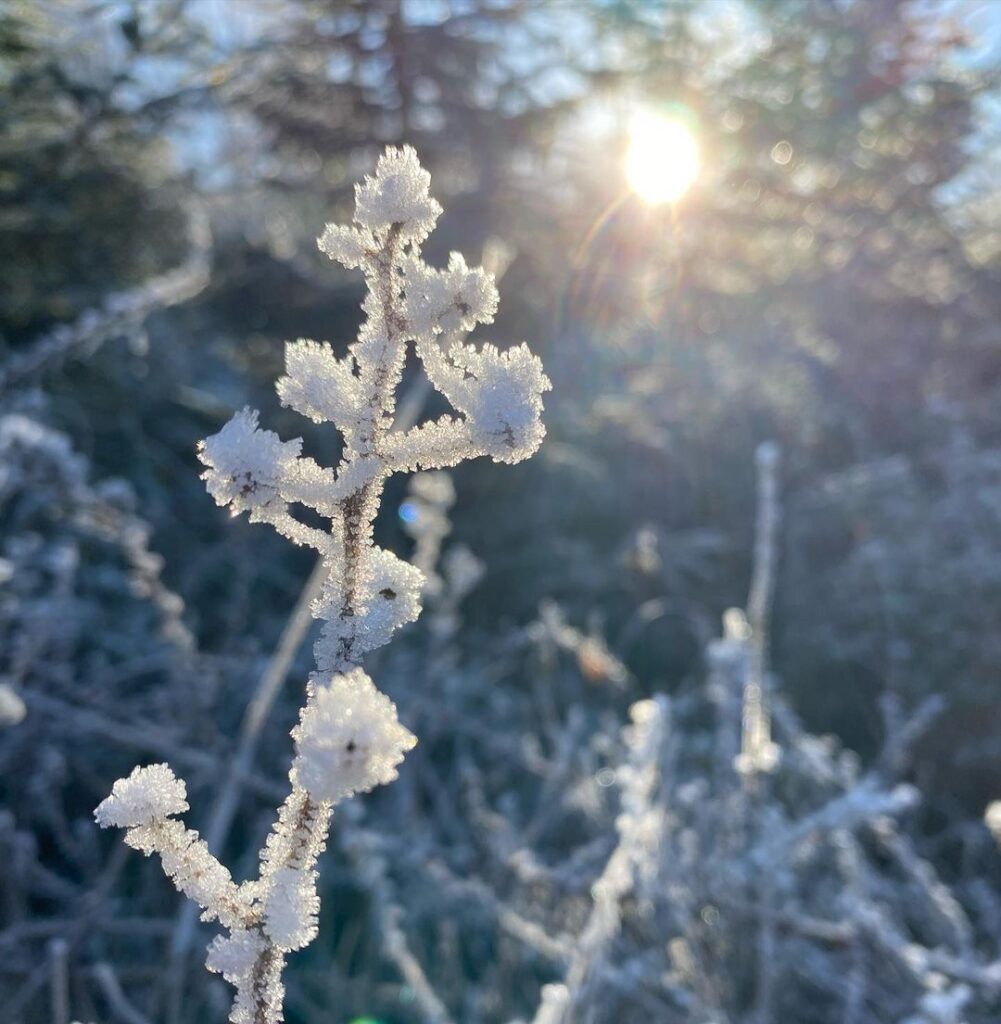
(319, 385)
(147, 795)
(348, 246)
(233, 956)
(349, 740)
(385, 598)
(501, 393)
(455, 299)
(290, 908)
(398, 194)
(246, 464)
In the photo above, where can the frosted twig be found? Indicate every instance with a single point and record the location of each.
(868, 799)
(370, 867)
(348, 738)
(270, 683)
(111, 989)
(639, 827)
(59, 981)
(120, 313)
(758, 752)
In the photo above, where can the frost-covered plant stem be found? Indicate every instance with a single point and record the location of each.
(758, 752)
(120, 313)
(308, 820)
(348, 738)
(639, 828)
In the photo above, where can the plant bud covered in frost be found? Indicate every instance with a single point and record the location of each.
(387, 597)
(144, 804)
(455, 299)
(349, 740)
(399, 193)
(501, 392)
(290, 908)
(147, 795)
(232, 956)
(348, 246)
(246, 465)
(236, 957)
(319, 385)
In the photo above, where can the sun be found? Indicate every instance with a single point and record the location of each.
(662, 158)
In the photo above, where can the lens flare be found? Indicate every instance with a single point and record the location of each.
(662, 158)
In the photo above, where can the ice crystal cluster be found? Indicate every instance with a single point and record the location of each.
(348, 739)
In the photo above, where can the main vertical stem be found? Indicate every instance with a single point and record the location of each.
(309, 820)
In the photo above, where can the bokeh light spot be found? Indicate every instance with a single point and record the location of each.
(782, 153)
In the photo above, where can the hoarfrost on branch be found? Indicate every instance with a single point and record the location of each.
(348, 738)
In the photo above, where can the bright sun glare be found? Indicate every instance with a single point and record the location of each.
(662, 160)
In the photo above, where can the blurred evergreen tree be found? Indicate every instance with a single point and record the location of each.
(816, 286)
(88, 190)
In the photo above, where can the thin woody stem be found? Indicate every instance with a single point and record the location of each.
(357, 514)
